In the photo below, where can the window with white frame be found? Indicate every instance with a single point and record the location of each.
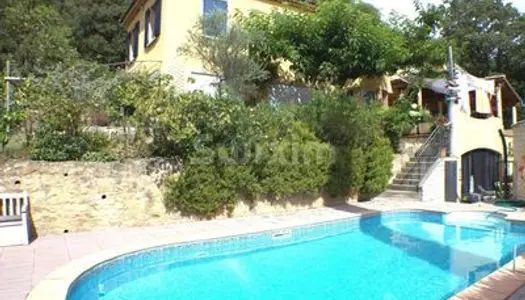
(133, 42)
(152, 21)
(215, 14)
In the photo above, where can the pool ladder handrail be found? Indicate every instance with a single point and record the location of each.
(515, 253)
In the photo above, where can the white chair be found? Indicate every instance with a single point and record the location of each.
(14, 219)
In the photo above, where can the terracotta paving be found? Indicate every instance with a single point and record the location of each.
(21, 268)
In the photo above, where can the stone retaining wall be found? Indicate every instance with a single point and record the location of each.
(82, 196)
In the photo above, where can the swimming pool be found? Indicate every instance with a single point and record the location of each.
(401, 255)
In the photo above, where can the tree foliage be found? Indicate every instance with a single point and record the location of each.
(62, 96)
(426, 53)
(488, 36)
(97, 32)
(400, 119)
(355, 130)
(378, 168)
(341, 40)
(34, 37)
(58, 103)
(261, 152)
(38, 34)
(224, 53)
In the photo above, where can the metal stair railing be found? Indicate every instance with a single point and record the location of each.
(431, 150)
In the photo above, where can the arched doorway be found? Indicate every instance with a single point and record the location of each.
(480, 166)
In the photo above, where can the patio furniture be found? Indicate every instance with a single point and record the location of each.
(14, 219)
(472, 198)
(487, 196)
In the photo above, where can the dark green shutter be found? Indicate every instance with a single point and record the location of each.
(130, 46)
(158, 15)
(136, 31)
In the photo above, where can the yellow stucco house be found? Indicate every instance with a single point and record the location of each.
(157, 29)
(477, 138)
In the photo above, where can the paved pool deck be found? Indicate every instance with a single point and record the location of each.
(23, 267)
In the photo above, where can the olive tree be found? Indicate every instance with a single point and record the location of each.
(223, 50)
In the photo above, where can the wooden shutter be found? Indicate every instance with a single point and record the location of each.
(158, 15)
(136, 40)
(130, 46)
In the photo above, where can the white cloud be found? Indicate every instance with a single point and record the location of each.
(406, 7)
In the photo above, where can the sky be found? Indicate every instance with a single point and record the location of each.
(406, 7)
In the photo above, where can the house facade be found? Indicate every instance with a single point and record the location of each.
(477, 139)
(158, 28)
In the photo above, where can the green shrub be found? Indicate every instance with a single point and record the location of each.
(50, 145)
(296, 168)
(350, 125)
(98, 156)
(236, 152)
(341, 120)
(96, 141)
(100, 147)
(211, 184)
(400, 119)
(287, 161)
(205, 188)
(347, 173)
(182, 123)
(379, 157)
(242, 179)
(200, 191)
(291, 159)
(9, 121)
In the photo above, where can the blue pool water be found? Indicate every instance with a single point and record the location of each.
(406, 255)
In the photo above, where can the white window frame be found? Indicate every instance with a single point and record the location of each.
(131, 53)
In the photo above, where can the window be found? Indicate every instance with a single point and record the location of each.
(152, 21)
(472, 100)
(133, 43)
(474, 109)
(493, 105)
(215, 14)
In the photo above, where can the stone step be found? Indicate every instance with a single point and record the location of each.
(413, 167)
(417, 163)
(399, 194)
(404, 187)
(413, 182)
(410, 175)
(422, 159)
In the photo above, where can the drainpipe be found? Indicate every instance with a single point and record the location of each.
(505, 166)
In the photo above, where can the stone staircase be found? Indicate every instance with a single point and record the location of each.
(399, 195)
(412, 174)
(414, 171)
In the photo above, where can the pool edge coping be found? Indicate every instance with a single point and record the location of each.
(57, 284)
(501, 284)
